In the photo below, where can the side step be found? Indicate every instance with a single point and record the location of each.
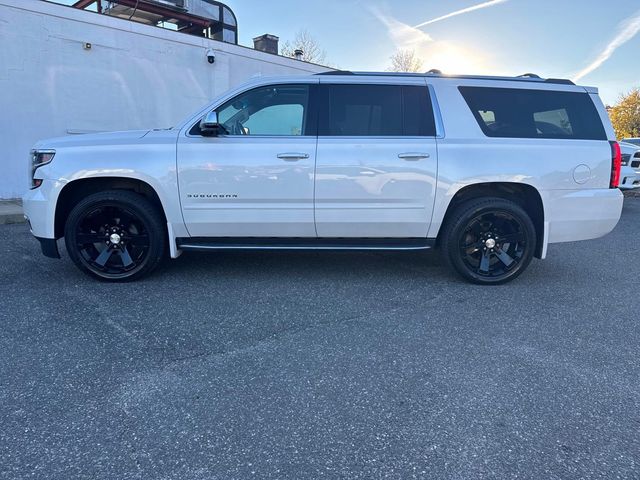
(260, 243)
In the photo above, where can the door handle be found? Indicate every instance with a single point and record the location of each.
(413, 156)
(292, 157)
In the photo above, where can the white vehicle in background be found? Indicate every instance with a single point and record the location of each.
(633, 140)
(491, 170)
(630, 166)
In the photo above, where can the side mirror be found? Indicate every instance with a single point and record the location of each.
(209, 125)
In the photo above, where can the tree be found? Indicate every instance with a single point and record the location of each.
(405, 61)
(625, 115)
(312, 52)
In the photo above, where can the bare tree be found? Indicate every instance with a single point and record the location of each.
(303, 40)
(405, 61)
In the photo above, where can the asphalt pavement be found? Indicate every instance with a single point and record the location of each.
(322, 365)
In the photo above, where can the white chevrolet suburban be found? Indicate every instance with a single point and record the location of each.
(489, 169)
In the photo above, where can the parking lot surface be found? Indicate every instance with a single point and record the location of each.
(322, 365)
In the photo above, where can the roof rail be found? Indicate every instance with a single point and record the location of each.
(561, 81)
(336, 72)
(527, 77)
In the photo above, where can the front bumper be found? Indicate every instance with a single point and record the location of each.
(629, 178)
(49, 247)
(39, 210)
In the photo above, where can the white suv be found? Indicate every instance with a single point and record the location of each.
(490, 169)
(630, 172)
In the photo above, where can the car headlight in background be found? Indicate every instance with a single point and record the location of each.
(38, 159)
(625, 159)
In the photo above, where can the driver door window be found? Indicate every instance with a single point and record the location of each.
(279, 110)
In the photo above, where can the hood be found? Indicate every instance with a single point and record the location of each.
(628, 147)
(106, 138)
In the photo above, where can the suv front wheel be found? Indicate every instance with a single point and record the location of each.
(488, 240)
(115, 235)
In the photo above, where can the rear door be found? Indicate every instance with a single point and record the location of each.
(376, 160)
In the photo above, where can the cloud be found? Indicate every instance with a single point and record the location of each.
(626, 31)
(443, 55)
(491, 3)
(402, 35)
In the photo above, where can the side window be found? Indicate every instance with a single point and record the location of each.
(417, 112)
(277, 120)
(276, 110)
(376, 111)
(364, 110)
(523, 113)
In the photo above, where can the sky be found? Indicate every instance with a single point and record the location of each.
(595, 42)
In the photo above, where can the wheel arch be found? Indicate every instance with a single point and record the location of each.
(77, 189)
(525, 195)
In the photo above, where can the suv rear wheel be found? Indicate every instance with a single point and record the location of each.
(489, 240)
(115, 235)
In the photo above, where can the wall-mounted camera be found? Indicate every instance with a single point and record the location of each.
(211, 56)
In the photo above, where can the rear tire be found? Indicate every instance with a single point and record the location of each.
(488, 241)
(115, 235)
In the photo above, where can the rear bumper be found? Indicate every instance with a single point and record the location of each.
(572, 215)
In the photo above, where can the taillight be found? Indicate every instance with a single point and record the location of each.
(616, 163)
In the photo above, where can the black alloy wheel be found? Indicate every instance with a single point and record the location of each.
(115, 235)
(489, 241)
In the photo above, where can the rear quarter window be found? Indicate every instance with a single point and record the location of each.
(523, 113)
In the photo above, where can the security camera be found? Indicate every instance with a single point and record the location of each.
(211, 56)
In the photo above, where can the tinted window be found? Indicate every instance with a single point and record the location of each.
(376, 111)
(418, 112)
(521, 113)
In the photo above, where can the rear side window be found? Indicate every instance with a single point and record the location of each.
(376, 111)
(521, 113)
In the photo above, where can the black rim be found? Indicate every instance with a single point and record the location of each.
(493, 244)
(112, 241)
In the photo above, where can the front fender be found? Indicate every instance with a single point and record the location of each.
(151, 160)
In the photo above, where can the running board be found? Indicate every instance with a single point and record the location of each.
(259, 243)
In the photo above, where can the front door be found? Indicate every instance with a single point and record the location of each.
(255, 179)
(377, 160)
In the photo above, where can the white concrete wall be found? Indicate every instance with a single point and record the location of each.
(134, 76)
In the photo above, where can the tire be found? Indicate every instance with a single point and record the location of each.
(474, 240)
(116, 236)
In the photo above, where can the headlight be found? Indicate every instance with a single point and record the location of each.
(625, 159)
(38, 159)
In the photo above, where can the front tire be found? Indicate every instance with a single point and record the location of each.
(115, 235)
(488, 241)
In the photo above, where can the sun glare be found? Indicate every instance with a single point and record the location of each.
(451, 59)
